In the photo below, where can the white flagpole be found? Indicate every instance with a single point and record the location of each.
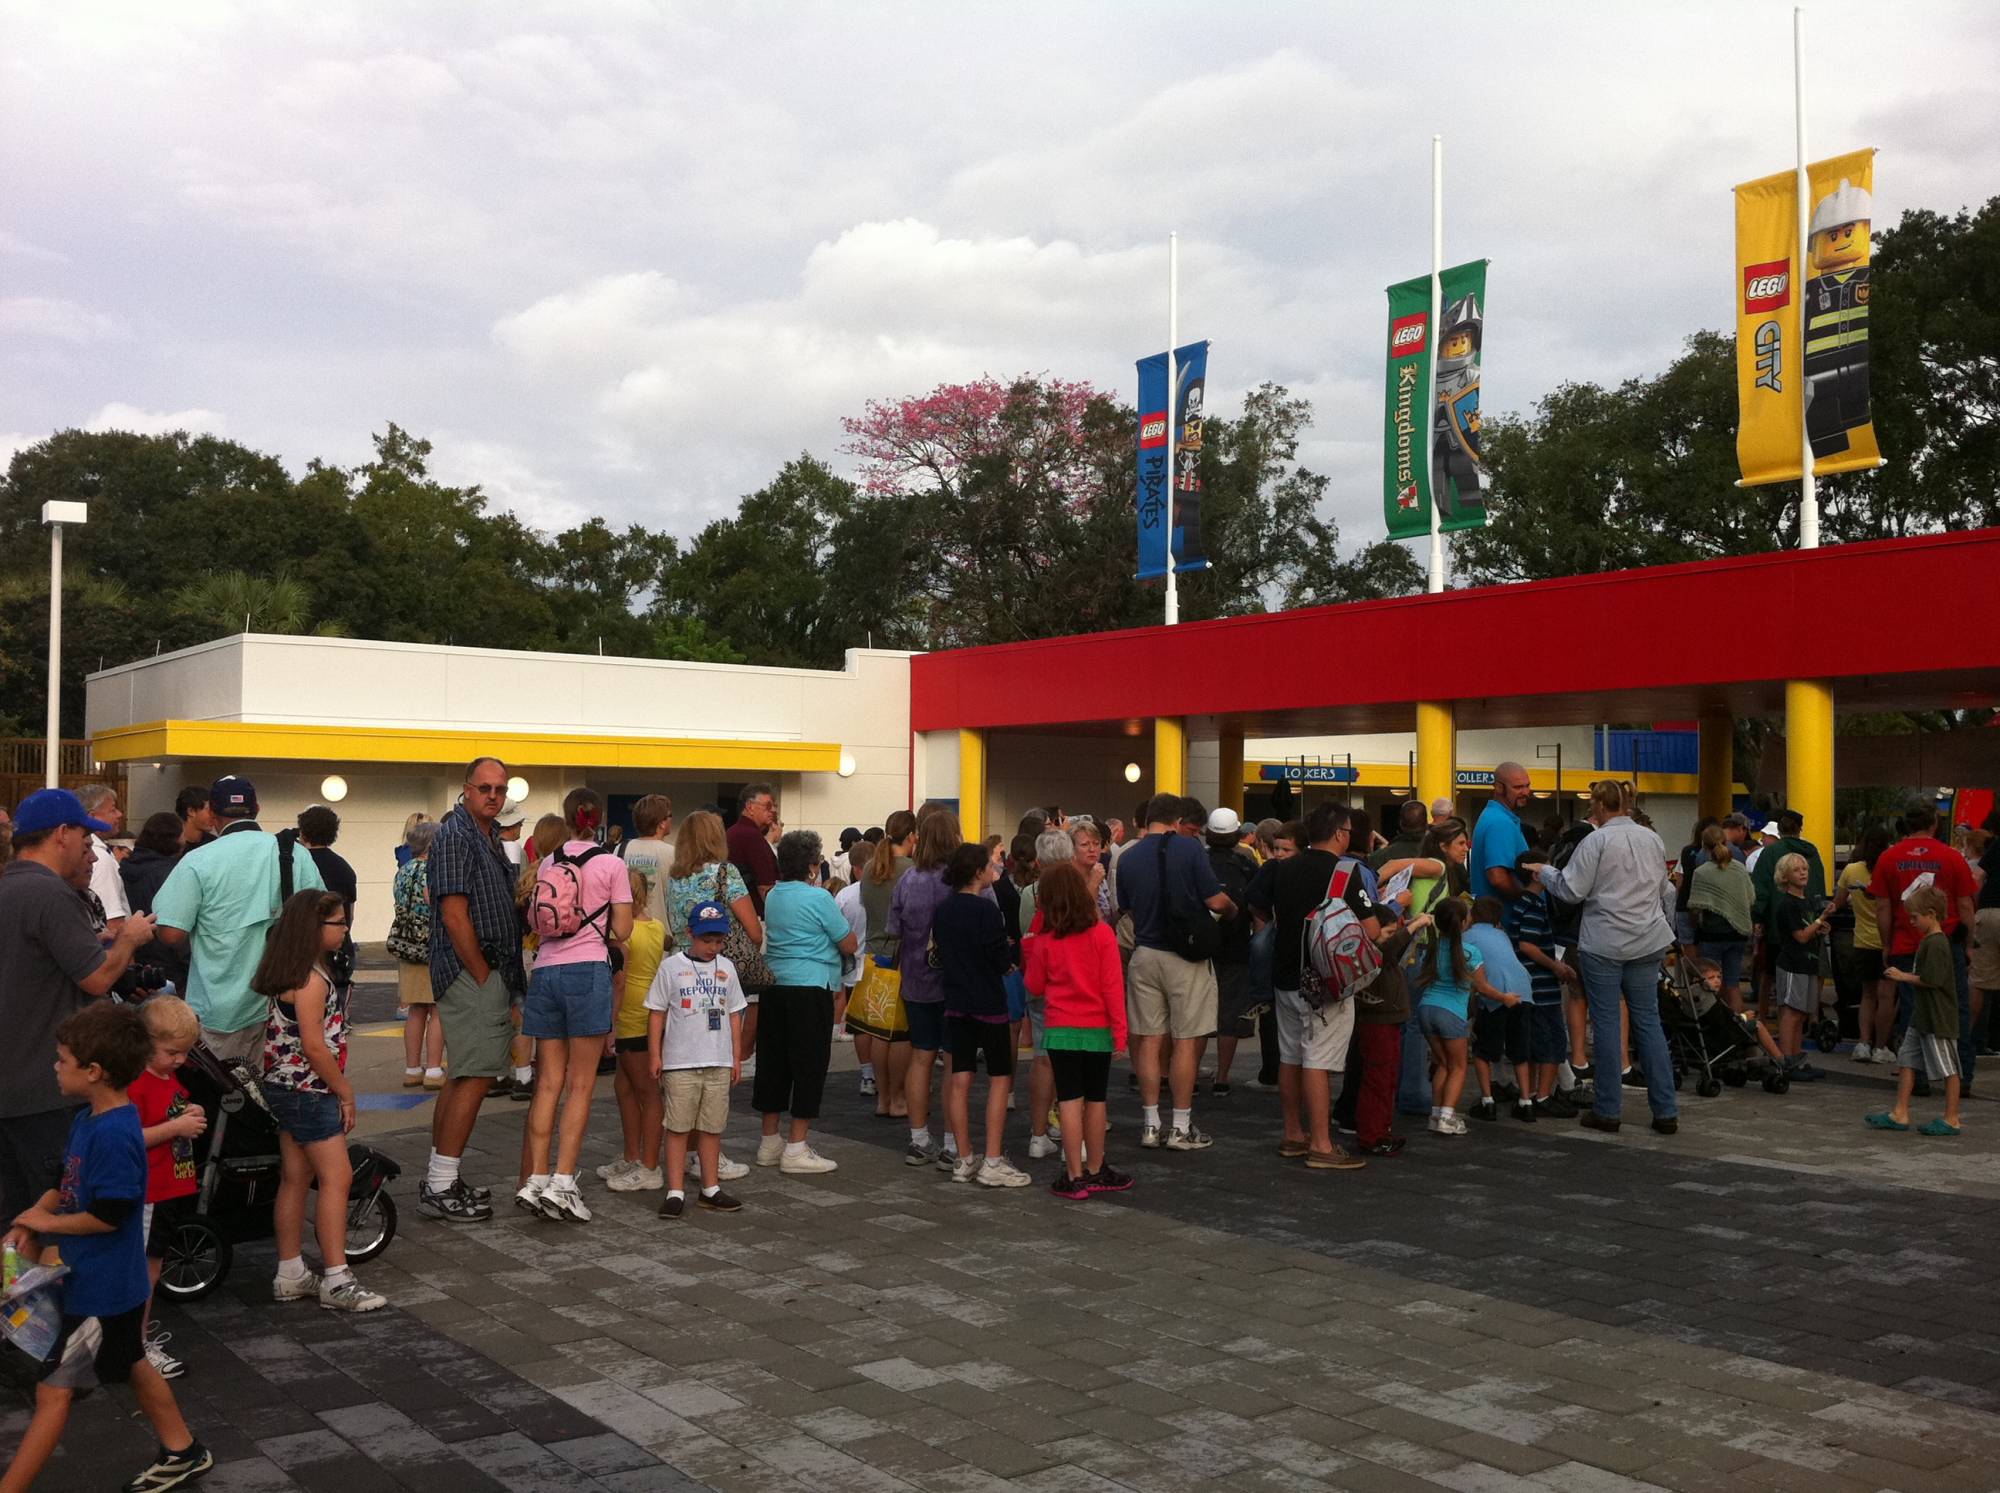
(1808, 485)
(1430, 388)
(1173, 433)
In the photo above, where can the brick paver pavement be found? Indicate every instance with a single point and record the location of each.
(1758, 1303)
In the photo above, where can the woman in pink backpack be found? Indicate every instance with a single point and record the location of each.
(580, 905)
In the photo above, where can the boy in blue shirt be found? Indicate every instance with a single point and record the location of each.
(95, 1216)
(1527, 923)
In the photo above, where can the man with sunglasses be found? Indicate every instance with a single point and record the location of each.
(476, 975)
(220, 900)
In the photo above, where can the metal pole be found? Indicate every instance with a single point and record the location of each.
(1808, 486)
(1430, 387)
(50, 768)
(1173, 410)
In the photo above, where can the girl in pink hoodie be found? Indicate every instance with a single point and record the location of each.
(1073, 965)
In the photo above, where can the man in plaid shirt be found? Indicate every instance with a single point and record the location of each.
(476, 974)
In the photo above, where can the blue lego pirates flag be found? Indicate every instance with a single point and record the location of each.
(1170, 463)
(1435, 460)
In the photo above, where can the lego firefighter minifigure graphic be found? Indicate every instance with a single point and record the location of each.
(1458, 477)
(1835, 313)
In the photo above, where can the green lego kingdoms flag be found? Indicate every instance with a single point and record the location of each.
(1438, 457)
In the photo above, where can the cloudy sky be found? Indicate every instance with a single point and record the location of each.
(626, 258)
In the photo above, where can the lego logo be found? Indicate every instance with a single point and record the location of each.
(1766, 286)
(1153, 430)
(1406, 335)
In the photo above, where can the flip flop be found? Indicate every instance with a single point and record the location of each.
(1886, 1121)
(1936, 1127)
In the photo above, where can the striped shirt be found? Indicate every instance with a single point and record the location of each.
(1527, 921)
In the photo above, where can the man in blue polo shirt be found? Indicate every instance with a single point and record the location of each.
(1498, 839)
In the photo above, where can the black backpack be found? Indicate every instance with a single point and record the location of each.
(1185, 925)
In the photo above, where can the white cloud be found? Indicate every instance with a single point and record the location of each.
(117, 416)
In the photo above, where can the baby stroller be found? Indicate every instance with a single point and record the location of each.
(1708, 1039)
(237, 1163)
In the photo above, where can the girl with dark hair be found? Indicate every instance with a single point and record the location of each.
(305, 1086)
(805, 938)
(580, 906)
(973, 956)
(1443, 1014)
(144, 872)
(911, 908)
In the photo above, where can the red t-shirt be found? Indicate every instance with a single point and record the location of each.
(1901, 864)
(754, 859)
(170, 1164)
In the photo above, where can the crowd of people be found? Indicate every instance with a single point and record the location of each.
(1455, 970)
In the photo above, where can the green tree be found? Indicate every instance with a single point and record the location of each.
(229, 601)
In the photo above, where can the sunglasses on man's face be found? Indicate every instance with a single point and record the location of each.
(485, 788)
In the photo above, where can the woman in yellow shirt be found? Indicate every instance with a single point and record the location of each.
(1877, 1016)
(639, 1105)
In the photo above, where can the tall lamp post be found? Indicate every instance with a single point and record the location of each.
(1545, 751)
(55, 515)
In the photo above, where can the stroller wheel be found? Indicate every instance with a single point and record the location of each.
(195, 1259)
(1827, 1037)
(1708, 1088)
(371, 1224)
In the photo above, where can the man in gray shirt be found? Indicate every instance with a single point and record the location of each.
(1619, 874)
(51, 965)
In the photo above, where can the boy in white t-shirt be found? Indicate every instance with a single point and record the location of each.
(694, 1027)
(848, 901)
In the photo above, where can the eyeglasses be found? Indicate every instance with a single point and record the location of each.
(485, 788)
(335, 923)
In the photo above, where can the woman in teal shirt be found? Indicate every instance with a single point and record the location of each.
(805, 938)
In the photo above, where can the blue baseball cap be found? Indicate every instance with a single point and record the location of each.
(708, 917)
(54, 808)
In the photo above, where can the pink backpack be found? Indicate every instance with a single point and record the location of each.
(556, 909)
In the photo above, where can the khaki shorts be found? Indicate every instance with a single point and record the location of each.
(1313, 1039)
(245, 1045)
(1166, 995)
(1984, 955)
(697, 1099)
(478, 1025)
(413, 985)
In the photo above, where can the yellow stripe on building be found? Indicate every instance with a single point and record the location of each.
(257, 741)
(1541, 779)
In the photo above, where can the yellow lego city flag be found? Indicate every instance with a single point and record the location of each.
(1802, 331)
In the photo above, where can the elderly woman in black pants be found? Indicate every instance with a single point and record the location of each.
(805, 938)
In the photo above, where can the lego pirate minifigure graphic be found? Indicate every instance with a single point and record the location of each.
(1458, 479)
(1835, 311)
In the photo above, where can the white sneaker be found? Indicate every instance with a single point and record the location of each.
(770, 1150)
(730, 1171)
(1434, 1125)
(168, 1366)
(564, 1204)
(998, 1171)
(1041, 1147)
(1863, 1053)
(529, 1199)
(947, 1156)
(964, 1168)
(1194, 1138)
(637, 1179)
(1150, 1137)
(616, 1168)
(806, 1163)
(349, 1295)
(294, 1287)
(868, 1089)
(1452, 1126)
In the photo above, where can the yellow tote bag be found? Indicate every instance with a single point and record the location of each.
(876, 1007)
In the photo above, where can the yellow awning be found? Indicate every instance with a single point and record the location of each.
(257, 741)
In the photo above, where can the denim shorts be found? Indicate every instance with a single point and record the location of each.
(568, 1000)
(306, 1118)
(1436, 1021)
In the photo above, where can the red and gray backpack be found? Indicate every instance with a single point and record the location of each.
(556, 910)
(1337, 958)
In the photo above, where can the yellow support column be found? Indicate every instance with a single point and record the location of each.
(1718, 766)
(972, 784)
(1809, 761)
(1170, 756)
(1229, 770)
(1437, 752)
